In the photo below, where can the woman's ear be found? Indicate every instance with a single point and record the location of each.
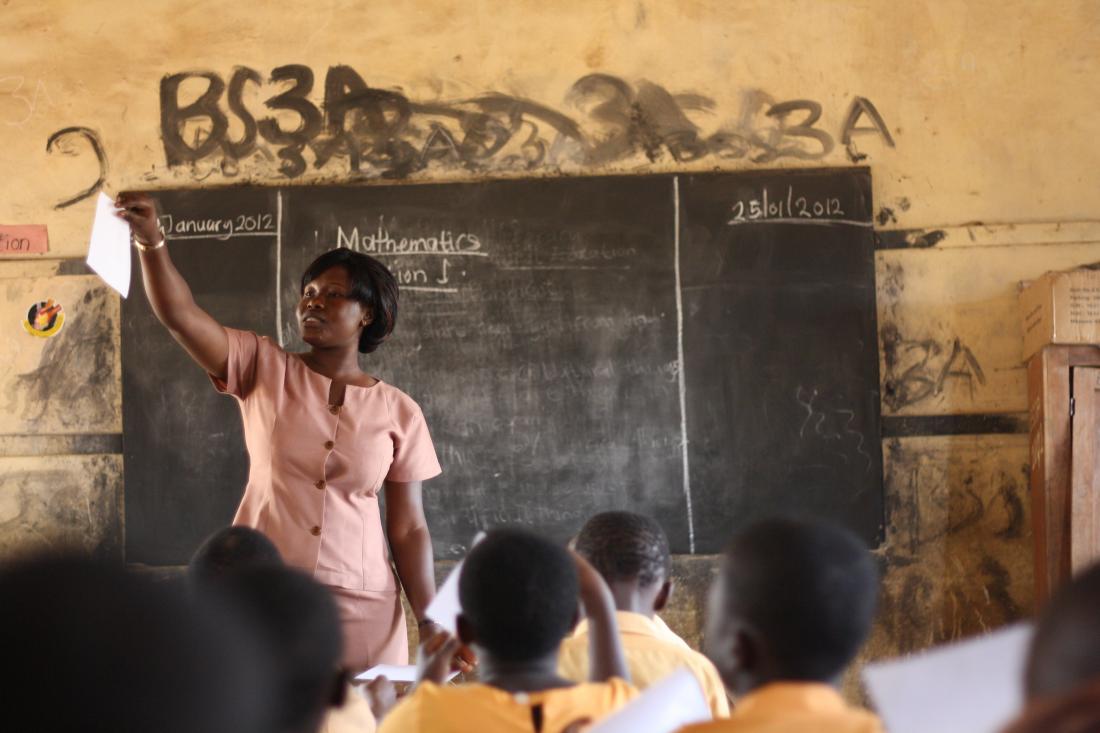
(368, 316)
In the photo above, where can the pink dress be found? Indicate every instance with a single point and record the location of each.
(315, 471)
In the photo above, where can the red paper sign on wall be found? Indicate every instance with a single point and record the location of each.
(23, 239)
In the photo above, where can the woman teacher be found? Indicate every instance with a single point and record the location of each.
(323, 437)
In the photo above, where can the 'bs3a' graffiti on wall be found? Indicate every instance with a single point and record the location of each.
(213, 126)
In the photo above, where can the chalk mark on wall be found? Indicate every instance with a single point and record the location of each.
(364, 131)
(63, 141)
(931, 366)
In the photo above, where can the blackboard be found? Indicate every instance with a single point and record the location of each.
(675, 345)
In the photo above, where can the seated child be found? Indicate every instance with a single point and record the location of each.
(90, 647)
(240, 549)
(519, 599)
(298, 620)
(1073, 712)
(791, 606)
(1065, 651)
(1062, 678)
(631, 553)
(231, 549)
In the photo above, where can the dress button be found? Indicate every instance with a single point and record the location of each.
(316, 531)
(334, 409)
(320, 484)
(329, 445)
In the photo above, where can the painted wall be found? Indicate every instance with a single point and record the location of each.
(977, 119)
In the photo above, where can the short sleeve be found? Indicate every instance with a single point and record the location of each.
(414, 457)
(244, 349)
(412, 712)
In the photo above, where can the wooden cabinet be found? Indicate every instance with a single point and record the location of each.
(1064, 407)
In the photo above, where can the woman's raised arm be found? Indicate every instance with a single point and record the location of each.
(199, 334)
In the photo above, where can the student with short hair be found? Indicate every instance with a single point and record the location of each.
(519, 595)
(298, 620)
(1077, 711)
(1062, 676)
(231, 549)
(86, 646)
(1065, 651)
(793, 603)
(240, 549)
(631, 553)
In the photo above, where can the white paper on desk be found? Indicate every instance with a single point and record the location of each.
(974, 686)
(395, 673)
(667, 706)
(109, 247)
(445, 607)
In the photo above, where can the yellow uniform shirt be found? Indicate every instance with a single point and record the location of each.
(792, 707)
(652, 653)
(477, 707)
(354, 716)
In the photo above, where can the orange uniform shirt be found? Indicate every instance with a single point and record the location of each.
(477, 707)
(651, 655)
(792, 707)
(354, 716)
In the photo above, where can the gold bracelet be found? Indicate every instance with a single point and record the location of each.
(143, 247)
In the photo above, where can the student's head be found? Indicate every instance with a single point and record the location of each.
(631, 552)
(298, 620)
(1077, 711)
(87, 646)
(1065, 651)
(794, 600)
(518, 593)
(347, 297)
(230, 550)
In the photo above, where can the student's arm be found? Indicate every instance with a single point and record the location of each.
(199, 334)
(605, 649)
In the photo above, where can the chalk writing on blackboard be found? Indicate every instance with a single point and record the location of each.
(789, 207)
(427, 262)
(379, 241)
(241, 225)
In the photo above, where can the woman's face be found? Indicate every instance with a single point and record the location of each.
(327, 315)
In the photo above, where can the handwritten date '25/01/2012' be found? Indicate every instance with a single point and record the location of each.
(790, 207)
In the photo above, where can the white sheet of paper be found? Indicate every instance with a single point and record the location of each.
(667, 706)
(394, 673)
(974, 686)
(109, 247)
(445, 607)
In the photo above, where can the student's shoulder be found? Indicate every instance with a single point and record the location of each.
(697, 661)
(424, 708)
(615, 691)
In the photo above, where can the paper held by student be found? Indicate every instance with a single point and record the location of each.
(974, 686)
(394, 673)
(445, 607)
(667, 706)
(109, 246)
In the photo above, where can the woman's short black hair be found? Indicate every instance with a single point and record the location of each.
(372, 284)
